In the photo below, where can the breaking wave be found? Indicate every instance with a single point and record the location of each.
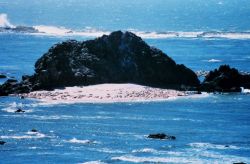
(77, 141)
(214, 61)
(202, 145)
(145, 150)
(14, 106)
(7, 27)
(28, 135)
(135, 159)
(246, 91)
(4, 22)
(93, 162)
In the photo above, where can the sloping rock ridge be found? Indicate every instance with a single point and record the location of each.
(121, 57)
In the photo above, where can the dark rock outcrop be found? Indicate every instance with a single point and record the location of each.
(2, 76)
(161, 136)
(225, 79)
(115, 58)
(2, 142)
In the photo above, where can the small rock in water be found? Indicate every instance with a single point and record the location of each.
(2, 76)
(19, 110)
(239, 163)
(34, 130)
(21, 97)
(2, 142)
(161, 136)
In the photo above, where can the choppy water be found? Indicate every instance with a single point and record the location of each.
(201, 35)
(208, 130)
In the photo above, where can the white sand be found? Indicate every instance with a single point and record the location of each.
(104, 93)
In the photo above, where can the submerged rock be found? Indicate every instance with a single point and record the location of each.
(19, 110)
(225, 79)
(121, 57)
(2, 142)
(161, 136)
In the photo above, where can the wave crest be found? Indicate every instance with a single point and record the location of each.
(7, 27)
(4, 22)
(74, 140)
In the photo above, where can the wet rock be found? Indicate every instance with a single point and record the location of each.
(19, 110)
(2, 142)
(161, 136)
(239, 163)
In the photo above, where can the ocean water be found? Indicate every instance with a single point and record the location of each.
(211, 128)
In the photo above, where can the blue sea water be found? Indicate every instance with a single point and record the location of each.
(209, 129)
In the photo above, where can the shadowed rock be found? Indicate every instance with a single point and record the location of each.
(121, 57)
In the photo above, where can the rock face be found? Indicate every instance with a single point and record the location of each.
(115, 58)
(225, 79)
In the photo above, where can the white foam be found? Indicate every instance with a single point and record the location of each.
(203, 145)
(52, 30)
(107, 150)
(134, 159)
(4, 22)
(62, 31)
(92, 32)
(33, 148)
(13, 107)
(74, 140)
(30, 135)
(186, 119)
(244, 90)
(51, 117)
(214, 61)
(93, 162)
(145, 150)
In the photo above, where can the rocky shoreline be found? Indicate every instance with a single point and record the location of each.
(121, 58)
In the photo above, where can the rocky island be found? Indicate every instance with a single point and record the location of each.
(118, 58)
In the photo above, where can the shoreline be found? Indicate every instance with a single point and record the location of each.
(105, 93)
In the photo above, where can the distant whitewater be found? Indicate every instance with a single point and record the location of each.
(7, 27)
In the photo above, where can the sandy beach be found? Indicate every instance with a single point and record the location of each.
(104, 93)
